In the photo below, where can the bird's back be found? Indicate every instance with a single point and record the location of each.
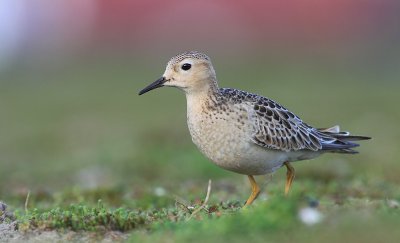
(275, 127)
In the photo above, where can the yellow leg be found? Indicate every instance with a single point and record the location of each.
(289, 177)
(255, 190)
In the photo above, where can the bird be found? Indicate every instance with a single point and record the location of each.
(244, 132)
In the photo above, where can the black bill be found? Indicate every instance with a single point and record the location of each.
(156, 84)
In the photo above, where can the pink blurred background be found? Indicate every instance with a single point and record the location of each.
(48, 31)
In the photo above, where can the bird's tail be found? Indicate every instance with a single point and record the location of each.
(335, 141)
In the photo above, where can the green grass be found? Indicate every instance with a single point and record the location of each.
(341, 205)
(81, 134)
(81, 217)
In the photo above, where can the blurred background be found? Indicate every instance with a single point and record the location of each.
(70, 72)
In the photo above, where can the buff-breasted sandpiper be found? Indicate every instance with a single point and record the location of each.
(243, 132)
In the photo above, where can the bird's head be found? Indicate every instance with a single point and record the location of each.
(190, 71)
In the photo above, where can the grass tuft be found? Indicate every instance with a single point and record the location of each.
(81, 217)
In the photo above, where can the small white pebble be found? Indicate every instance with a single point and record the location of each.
(393, 203)
(159, 191)
(310, 216)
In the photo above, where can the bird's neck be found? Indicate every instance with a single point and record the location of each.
(202, 89)
(200, 100)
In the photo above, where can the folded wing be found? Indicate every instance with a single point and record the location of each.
(275, 127)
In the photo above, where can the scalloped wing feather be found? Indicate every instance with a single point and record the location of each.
(277, 128)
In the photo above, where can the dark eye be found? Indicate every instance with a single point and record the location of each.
(186, 66)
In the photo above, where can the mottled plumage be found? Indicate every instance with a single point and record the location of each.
(276, 127)
(243, 132)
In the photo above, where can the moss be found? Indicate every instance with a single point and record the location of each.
(82, 217)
